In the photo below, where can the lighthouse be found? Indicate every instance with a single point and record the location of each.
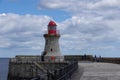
(52, 49)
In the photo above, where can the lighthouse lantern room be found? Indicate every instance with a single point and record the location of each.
(52, 27)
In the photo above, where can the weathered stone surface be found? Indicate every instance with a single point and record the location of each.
(97, 71)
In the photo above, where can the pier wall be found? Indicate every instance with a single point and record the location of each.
(25, 67)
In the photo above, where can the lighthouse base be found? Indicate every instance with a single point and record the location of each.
(53, 58)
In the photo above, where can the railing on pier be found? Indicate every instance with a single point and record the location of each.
(63, 73)
(26, 59)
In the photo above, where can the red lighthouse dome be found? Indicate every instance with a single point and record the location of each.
(52, 27)
(52, 23)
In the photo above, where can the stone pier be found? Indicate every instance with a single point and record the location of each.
(30, 67)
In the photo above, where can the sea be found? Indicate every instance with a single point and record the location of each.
(4, 65)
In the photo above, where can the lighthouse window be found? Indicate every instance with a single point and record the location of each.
(46, 42)
(52, 28)
(51, 49)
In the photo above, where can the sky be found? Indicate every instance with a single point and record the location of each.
(86, 26)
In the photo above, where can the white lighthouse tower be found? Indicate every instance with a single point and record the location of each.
(52, 49)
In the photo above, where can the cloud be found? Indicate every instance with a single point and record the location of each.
(77, 4)
(106, 3)
(93, 25)
(90, 33)
(22, 31)
(96, 19)
(84, 8)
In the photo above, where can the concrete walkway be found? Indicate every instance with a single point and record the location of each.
(97, 71)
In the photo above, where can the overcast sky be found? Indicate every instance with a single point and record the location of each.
(86, 26)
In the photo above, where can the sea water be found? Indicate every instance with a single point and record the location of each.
(4, 65)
